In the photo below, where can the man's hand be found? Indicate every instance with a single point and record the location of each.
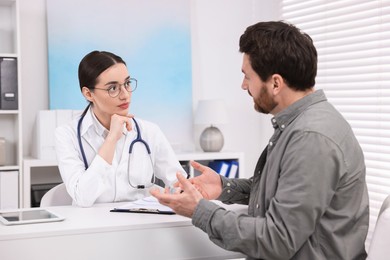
(184, 202)
(208, 183)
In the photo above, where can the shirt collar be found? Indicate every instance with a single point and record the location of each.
(100, 129)
(286, 116)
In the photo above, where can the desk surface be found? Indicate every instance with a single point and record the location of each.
(96, 233)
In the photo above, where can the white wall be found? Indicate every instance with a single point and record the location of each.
(216, 28)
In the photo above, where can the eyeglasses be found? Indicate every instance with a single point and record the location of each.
(115, 88)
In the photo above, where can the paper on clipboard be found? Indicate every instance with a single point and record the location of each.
(149, 203)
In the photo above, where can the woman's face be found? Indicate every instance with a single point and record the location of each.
(104, 106)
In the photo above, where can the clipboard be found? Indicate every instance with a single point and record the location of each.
(148, 205)
(143, 210)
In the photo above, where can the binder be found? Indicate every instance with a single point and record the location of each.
(233, 170)
(8, 83)
(221, 167)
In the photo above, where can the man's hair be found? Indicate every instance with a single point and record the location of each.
(281, 48)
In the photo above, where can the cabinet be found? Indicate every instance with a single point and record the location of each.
(11, 118)
(46, 171)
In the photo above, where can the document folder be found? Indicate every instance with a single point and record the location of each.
(145, 205)
(142, 210)
(8, 83)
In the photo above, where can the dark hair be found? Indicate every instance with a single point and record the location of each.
(281, 48)
(93, 64)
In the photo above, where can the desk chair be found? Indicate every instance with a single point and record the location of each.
(379, 247)
(56, 196)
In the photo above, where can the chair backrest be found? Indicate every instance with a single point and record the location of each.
(379, 246)
(56, 196)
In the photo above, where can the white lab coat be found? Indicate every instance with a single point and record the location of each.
(103, 182)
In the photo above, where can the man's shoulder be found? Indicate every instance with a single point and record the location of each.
(322, 118)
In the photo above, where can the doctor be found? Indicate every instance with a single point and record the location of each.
(107, 155)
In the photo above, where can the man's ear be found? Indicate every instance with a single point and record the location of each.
(87, 94)
(278, 83)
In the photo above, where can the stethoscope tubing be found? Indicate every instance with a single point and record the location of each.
(138, 139)
(79, 141)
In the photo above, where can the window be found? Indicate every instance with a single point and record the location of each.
(352, 38)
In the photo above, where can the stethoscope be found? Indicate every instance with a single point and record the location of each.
(136, 140)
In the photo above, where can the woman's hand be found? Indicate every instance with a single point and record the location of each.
(107, 150)
(116, 126)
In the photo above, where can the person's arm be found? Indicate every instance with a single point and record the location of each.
(308, 180)
(107, 150)
(235, 190)
(84, 186)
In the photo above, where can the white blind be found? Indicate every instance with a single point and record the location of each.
(352, 38)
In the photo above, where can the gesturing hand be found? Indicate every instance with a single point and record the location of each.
(184, 202)
(208, 183)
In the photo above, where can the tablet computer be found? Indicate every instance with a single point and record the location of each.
(28, 216)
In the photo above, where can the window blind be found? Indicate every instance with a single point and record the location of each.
(352, 38)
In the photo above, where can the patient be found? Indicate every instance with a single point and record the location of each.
(307, 198)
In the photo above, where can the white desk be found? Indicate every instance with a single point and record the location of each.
(95, 233)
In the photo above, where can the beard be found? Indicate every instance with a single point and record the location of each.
(264, 102)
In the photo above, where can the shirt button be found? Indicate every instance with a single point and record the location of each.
(282, 126)
(257, 206)
(246, 196)
(228, 191)
(271, 143)
(273, 120)
(228, 184)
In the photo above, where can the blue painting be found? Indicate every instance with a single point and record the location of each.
(153, 37)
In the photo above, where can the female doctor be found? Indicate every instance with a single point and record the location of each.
(106, 155)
